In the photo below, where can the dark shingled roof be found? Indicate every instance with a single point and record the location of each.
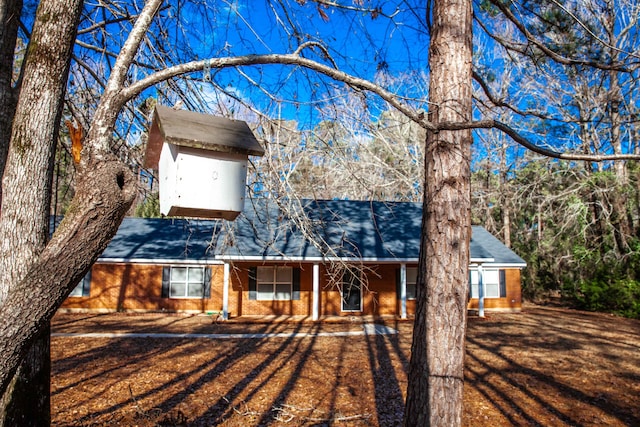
(368, 231)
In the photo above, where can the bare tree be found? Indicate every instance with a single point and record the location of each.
(105, 186)
(37, 274)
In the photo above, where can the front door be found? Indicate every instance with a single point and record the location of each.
(351, 293)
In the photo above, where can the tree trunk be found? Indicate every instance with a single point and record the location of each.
(505, 196)
(506, 221)
(27, 401)
(9, 20)
(26, 192)
(103, 196)
(436, 369)
(619, 200)
(35, 279)
(619, 218)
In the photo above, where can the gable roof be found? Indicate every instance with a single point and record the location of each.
(359, 231)
(196, 130)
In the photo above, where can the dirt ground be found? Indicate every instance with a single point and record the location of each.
(542, 367)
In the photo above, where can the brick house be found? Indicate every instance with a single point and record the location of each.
(344, 258)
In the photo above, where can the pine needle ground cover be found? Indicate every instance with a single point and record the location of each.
(544, 366)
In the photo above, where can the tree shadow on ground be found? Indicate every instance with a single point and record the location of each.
(545, 367)
(541, 367)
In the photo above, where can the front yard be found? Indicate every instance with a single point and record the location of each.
(545, 366)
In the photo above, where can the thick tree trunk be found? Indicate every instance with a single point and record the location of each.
(24, 225)
(434, 393)
(27, 400)
(102, 199)
(9, 20)
(26, 186)
(34, 278)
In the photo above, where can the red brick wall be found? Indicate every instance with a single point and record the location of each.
(138, 287)
(239, 294)
(513, 300)
(381, 297)
(378, 296)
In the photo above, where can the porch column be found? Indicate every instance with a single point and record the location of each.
(480, 291)
(403, 291)
(225, 292)
(316, 292)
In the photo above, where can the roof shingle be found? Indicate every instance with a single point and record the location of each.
(353, 230)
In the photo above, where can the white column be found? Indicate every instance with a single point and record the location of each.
(403, 291)
(225, 292)
(480, 291)
(316, 291)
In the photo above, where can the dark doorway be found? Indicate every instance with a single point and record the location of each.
(351, 292)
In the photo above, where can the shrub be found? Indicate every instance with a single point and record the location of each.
(619, 296)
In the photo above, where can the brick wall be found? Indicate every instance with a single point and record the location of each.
(239, 294)
(138, 287)
(513, 300)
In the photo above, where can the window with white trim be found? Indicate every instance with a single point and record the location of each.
(82, 289)
(274, 283)
(490, 280)
(187, 282)
(412, 279)
(77, 291)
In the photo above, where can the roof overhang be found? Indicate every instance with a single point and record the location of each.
(241, 258)
(503, 265)
(201, 131)
(220, 260)
(481, 260)
(157, 261)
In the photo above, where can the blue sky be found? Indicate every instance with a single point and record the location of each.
(358, 43)
(391, 39)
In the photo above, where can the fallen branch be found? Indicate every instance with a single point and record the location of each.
(287, 413)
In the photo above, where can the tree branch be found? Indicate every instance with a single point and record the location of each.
(112, 101)
(375, 12)
(103, 24)
(105, 52)
(359, 83)
(500, 103)
(520, 139)
(90, 70)
(285, 59)
(591, 33)
(130, 47)
(504, 8)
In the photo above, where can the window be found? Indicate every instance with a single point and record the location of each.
(491, 281)
(412, 279)
(83, 288)
(185, 282)
(274, 283)
(77, 291)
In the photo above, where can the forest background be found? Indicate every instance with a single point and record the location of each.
(576, 223)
